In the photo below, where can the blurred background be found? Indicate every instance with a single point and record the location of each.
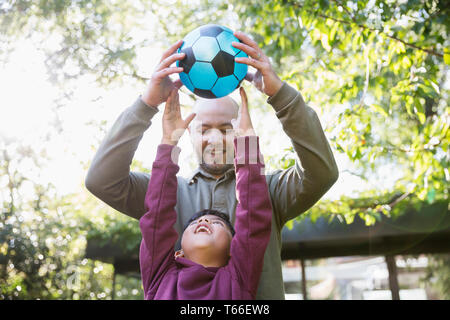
(376, 73)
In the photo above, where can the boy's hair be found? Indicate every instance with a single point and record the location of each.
(212, 212)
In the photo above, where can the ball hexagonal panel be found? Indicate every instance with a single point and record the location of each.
(186, 81)
(211, 30)
(204, 93)
(224, 86)
(188, 60)
(225, 39)
(205, 49)
(202, 75)
(240, 69)
(191, 37)
(227, 29)
(223, 64)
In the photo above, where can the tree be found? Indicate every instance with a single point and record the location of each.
(43, 235)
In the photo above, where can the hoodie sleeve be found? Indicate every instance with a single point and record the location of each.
(253, 213)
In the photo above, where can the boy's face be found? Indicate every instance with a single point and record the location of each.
(208, 236)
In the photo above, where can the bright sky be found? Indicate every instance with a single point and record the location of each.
(27, 111)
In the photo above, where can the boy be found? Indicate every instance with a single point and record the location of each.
(215, 262)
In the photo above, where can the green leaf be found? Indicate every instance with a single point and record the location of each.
(422, 117)
(406, 63)
(379, 109)
(433, 85)
(447, 58)
(290, 224)
(324, 40)
(333, 31)
(409, 108)
(428, 90)
(356, 41)
(419, 110)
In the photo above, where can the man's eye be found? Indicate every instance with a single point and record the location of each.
(218, 222)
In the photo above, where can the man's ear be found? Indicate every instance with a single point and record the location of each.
(179, 254)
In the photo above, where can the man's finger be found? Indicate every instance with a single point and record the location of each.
(254, 53)
(171, 49)
(251, 62)
(246, 39)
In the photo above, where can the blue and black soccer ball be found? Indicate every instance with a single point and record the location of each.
(209, 69)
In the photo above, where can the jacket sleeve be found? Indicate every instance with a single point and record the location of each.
(157, 224)
(109, 177)
(298, 188)
(253, 213)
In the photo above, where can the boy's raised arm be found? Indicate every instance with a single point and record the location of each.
(253, 212)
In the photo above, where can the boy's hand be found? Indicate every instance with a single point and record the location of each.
(161, 85)
(243, 124)
(172, 123)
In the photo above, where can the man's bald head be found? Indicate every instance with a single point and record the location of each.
(226, 103)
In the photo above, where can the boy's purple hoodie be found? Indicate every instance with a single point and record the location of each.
(167, 277)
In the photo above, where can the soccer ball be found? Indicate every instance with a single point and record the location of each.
(209, 69)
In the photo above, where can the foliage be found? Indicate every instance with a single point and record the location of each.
(36, 247)
(43, 236)
(87, 37)
(438, 274)
(378, 67)
(384, 83)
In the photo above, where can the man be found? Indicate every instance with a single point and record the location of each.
(212, 184)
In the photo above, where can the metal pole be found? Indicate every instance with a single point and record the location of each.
(393, 281)
(113, 291)
(302, 263)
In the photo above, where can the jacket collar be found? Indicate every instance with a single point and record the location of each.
(192, 178)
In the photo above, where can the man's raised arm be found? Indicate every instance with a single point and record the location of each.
(109, 177)
(297, 189)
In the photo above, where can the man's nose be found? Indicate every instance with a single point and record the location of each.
(214, 136)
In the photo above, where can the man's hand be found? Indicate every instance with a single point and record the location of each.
(243, 124)
(265, 79)
(161, 85)
(172, 123)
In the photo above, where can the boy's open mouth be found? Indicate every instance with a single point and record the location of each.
(203, 227)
